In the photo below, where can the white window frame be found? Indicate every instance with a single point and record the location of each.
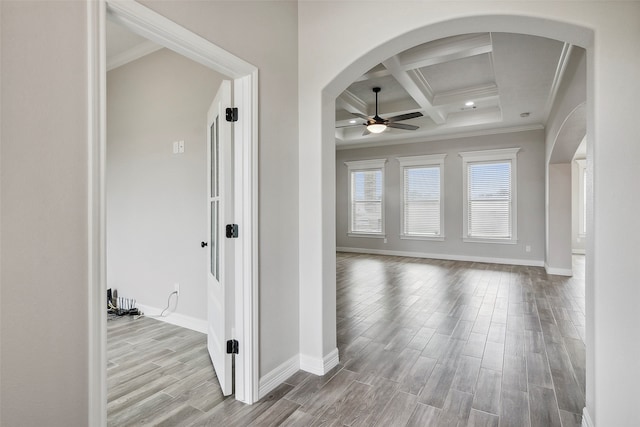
(582, 202)
(358, 166)
(426, 161)
(490, 156)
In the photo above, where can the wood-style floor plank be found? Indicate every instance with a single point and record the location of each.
(422, 343)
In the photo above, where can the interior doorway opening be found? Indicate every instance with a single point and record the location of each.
(556, 30)
(166, 33)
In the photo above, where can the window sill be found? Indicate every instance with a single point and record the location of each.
(367, 235)
(418, 237)
(498, 241)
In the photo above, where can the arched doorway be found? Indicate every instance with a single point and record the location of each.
(318, 297)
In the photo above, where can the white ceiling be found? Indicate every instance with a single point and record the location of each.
(505, 75)
(124, 46)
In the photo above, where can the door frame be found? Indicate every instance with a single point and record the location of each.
(167, 33)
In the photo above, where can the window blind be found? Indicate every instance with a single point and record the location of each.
(366, 201)
(489, 200)
(421, 201)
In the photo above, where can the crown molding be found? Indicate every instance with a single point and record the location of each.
(433, 138)
(350, 102)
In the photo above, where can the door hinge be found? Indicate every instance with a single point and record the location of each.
(232, 114)
(232, 347)
(232, 231)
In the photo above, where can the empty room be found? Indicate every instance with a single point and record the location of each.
(408, 213)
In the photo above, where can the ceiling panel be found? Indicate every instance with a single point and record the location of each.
(391, 91)
(472, 71)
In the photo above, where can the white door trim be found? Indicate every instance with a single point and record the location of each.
(161, 30)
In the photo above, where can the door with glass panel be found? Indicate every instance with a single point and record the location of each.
(219, 248)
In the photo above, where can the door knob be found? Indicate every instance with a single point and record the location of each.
(203, 244)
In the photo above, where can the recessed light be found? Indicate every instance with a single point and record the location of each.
(526, 114)
(352, 121)
(469, 103)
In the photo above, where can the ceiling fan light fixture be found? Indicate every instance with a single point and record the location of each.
(376, 127)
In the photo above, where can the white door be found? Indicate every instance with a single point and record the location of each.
(220, 248)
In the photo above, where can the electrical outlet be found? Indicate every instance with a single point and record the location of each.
(527, 248)
(176, 288)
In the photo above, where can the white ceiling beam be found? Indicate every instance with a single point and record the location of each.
(475, 93)
(446, 50)
(348, 101)
(417, 87)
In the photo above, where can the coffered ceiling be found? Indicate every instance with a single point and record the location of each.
(511, 79)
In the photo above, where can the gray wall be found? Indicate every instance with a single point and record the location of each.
(43, 218)
(577, 242)
(156, 200)
(530, 182)
(561, 142)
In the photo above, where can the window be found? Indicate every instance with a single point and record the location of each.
(421, 204)
(366, 197)
(489, 179)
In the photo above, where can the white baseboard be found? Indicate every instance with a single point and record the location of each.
(586, 419)
(177, 319)
(309, 364)
(319, 366)
(448, 257)
(558, 271)
(578, 251)
(277, 376)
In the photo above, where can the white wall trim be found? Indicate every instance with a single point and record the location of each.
(448, 257)
(182, 320)
(586, 419)
(331, 360)
(558, 271)
(130, 55)
(319, 367)
(278, 375)
(96, 213)
(155, 27)
(578, 251)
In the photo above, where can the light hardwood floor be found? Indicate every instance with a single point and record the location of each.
(422, 343)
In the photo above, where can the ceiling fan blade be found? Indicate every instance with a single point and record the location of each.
(405, 116)
(362, 116)
(402, 126)
(350, 125)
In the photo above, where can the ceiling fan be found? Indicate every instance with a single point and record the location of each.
(377, 124)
